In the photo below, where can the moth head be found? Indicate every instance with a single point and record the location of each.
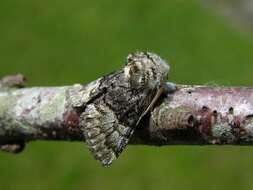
(145, 69)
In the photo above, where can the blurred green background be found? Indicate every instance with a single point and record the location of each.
(64, 42)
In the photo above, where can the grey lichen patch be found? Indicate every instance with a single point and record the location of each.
(38, 106)
(52, 108)
(222, 132)
(7, 102)
(249, 128)
(8, 124)
(23, 127)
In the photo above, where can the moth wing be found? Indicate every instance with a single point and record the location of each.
(80, 95)
(105, 137)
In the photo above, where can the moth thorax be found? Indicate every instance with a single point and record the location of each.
(145, 70)
(141, 76)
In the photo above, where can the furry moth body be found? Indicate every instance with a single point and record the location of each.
(118, 101)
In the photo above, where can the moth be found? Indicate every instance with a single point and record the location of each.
(117, 103)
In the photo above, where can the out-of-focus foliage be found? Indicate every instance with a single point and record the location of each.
(63, 42)
(240, 12)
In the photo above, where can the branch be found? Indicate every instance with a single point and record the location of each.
(191, 115)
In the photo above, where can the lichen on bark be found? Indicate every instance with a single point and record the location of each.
(191, 115)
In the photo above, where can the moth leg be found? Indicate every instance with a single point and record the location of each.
(151, 105)
(104, 135)
(166, 88)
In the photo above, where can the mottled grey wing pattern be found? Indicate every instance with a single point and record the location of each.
(117, 103)
(104, 135)
(109, 121)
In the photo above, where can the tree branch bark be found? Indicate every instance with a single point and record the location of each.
(192, 115)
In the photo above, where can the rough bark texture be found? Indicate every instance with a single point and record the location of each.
(191, 115)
